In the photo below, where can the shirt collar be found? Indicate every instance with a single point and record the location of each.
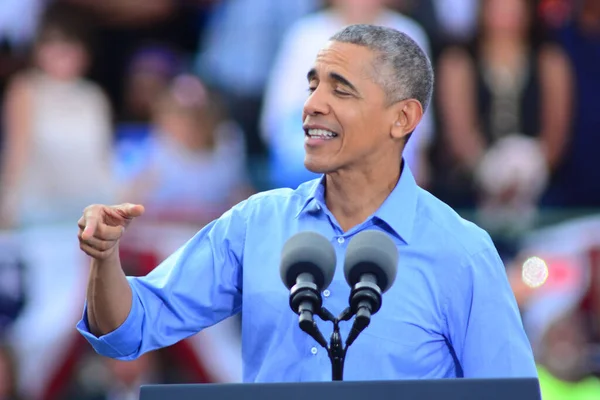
(315, 198)
(398, 211)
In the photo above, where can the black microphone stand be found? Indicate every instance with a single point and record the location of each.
(365, 300)
(336, 350)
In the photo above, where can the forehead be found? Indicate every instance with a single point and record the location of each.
(349, 59)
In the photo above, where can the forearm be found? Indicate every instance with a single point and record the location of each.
(109, 295)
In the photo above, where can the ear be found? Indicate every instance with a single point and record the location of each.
(408, 114)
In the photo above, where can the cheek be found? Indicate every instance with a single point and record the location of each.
(363, 129)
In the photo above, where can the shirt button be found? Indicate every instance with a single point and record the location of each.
(340, 240)
(326, 293)
(313, 350)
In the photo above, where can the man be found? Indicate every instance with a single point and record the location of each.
(450, 313)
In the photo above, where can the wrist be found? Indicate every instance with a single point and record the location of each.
(110, 260)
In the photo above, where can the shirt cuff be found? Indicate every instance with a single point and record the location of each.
(124, 342)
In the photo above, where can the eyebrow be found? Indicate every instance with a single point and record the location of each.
(312, 74)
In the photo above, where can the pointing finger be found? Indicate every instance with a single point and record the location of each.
(129, 210)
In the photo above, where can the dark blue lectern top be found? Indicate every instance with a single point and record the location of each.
(443, 389)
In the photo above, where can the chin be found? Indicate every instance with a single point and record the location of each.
(317, 166)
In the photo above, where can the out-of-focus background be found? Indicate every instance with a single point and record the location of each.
(189, 106)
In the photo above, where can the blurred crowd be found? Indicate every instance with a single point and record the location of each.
(190, 106)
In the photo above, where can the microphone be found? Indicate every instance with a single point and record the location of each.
(307, 267)
(370, 269)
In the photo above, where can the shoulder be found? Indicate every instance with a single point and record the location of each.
(283, 202)
(458, 237)
(462, 253)
(22, 83)
(93, 90)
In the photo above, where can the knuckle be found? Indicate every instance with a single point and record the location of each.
(94, 209)
(100, 231)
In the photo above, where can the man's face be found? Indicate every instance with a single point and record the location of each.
(346, 118)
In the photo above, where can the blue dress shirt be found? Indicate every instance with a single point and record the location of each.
(450, 313)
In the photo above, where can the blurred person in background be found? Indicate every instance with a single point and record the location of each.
(193, 166)
(150, 70)
(122, 26)
(287, 88)
(504, 104)
(576, 183)
(57, 122)
(149, 73)
(56, 159)
(8, 374)
(236, 56)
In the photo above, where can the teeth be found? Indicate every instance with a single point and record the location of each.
(321, 134)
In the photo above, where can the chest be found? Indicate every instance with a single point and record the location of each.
(406, 336)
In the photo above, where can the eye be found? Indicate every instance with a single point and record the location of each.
(341, 93)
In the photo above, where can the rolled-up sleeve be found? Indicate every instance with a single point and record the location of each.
(121, 342)
(196, 287)
(484, 323)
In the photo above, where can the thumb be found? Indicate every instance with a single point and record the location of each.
(129, 210)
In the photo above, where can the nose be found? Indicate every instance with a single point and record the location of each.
(317, 102)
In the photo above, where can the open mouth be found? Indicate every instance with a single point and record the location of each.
(320, 134)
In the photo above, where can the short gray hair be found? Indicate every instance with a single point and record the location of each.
(402, 68)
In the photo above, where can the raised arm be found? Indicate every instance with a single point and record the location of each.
(196, 287)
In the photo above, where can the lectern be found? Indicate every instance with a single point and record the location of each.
(442, 389)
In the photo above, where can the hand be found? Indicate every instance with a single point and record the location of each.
(101, 227)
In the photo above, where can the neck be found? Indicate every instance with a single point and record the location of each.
(353, 196)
